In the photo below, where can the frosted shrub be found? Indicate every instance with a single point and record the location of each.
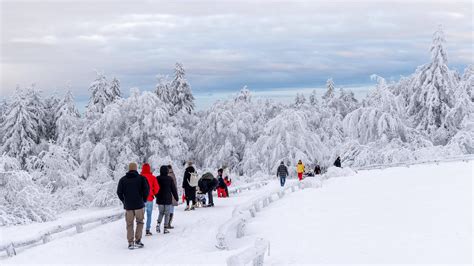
(338, 172)
(22, 200)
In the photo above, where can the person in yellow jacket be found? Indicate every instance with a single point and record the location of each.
(300, 170)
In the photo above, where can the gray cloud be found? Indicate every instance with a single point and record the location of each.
(224, 44)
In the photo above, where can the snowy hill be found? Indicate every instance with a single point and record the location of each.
(416, 214)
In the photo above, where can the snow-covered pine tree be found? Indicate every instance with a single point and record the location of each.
(300, 99)
(162, 88)
(347, 102)
(180, 95)
(378, 119)
(36, 102)
(50, 106)
(433, 85)
(102, 94)
(113, 91)
(468, 80)
(244, 95)
(3, 113)
(67, 121)
(313, 98)
(20, 127)
(330, 91)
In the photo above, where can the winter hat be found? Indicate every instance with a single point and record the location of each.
(132, 167)
(282, 162)
(163, 170)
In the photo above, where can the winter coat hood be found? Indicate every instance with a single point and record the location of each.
(164, 170)
(146, 169)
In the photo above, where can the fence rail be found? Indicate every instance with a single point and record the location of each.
(464, 158)
(235, 226)
(254, 254)
(46, 235)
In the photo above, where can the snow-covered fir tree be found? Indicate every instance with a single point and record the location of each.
(179, 93)
(68, 122)
(244, 95)
(21, 127)
(300, 99)
(433, 86)
(313, 98)
(330, 91)
(162, 89)
(102, 94)
(50, 107)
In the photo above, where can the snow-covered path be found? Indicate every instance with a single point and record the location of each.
(192, 241)
(421, 214)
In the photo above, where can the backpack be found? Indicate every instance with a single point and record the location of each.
(193, 180)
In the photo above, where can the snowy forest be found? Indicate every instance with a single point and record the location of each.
(60, 159)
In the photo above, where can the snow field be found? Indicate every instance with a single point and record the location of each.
(421, 214)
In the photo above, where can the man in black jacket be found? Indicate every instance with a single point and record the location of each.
(207, 183)
(133, 191)
(164, 198)
(282, 173)
(189, 191)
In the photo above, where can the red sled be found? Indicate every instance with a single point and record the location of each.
(221, 193)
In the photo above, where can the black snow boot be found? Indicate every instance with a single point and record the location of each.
(148, 233)
(165, 231)
(130, 245)
(139, 244)
(168, 226)
(158, 228)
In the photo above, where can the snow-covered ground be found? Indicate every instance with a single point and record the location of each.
(420, 214)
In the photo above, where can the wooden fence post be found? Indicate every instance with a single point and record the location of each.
(46, 238)
(79, 228)
(11, 250)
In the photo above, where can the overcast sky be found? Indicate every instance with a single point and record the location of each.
(224, 44)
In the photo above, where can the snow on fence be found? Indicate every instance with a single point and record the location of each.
(235, 226)
(254, 254)
(249, 186)
(464, 158)
(46, 236)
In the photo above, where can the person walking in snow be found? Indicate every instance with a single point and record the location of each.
(207, 183)
(228, 182)
(189, 191)
(300, 170)
(282, 173)
(337, 163)
(222, 186)
(133, 191)
(153, 184)
(175, 202)
(317, 169)
(164, 198)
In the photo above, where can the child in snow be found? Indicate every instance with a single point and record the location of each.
(300, 170)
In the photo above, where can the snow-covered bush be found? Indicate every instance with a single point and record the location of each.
(23, 201)
(338, 172)
(285, 138)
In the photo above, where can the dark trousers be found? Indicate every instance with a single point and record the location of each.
(282, 180)
(210, 199)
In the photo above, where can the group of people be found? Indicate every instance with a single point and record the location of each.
(282, 170)
(138, 191)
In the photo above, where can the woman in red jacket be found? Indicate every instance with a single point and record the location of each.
(154, 188)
